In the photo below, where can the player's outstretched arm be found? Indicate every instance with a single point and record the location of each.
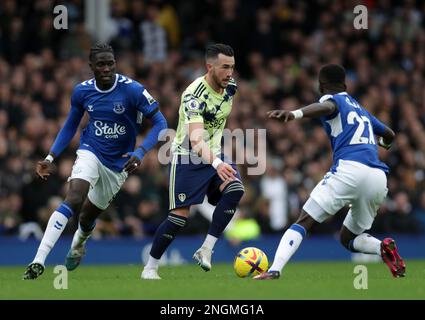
(196, 131)
(385, 133)
(159, 124)
(45, 167)
(313, 110)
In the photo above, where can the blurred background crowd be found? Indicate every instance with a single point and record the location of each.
(279, 47)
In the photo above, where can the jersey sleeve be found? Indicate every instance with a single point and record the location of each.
(378, 126)
(70, 127)
(330, 97)
(145, 103)
(77, 99)
(193, 109)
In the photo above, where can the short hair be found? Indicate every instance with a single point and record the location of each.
(214, 50)
(98, 48)
(332, 74)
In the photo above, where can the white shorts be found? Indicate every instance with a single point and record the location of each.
(104, 183)
(355, 184)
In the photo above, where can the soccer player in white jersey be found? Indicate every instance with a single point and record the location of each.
(115, 105)
(357, 177)
(198, 167)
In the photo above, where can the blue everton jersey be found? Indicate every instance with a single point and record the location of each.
(352, 130)
(115, 116)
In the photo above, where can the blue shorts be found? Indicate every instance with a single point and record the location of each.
(189, 182)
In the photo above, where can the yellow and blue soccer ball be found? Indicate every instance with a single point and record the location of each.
(250, 262)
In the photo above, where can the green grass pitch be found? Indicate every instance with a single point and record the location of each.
(314, 280)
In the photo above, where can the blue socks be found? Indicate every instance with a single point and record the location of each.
(165, 234)
(223, 213)
(226, 207)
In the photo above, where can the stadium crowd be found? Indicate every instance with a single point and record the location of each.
(279, 47)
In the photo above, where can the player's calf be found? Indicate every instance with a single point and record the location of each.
(77, 194)
(226, 207)
(346, 238)
(165, 234)
(364, 242)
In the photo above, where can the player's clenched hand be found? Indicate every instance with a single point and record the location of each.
(382, 143)
(132, 164)
(44, 168)
(281, 115)
(225, 171)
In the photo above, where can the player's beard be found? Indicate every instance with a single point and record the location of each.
(217, 81)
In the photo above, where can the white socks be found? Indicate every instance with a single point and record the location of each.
(365, 243)
(152, 263)
(289, 243)
(80, 238)
(209, 242)
(54, 229)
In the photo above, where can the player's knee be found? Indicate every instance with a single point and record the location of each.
(306, 221)
(178, 221)
(181, 212)
(75, 200)
(234, 191)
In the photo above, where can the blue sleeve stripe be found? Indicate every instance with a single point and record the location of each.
(299, 228)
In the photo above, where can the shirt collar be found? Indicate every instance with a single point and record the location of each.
(328, 96)
(110, 89)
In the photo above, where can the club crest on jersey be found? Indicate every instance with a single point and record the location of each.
(118, 107)
(182, 197)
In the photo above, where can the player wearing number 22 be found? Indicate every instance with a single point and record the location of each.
(115, 105)
(357, 178)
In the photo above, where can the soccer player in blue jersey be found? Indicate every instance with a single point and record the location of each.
(115, 105)
(357, 177)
